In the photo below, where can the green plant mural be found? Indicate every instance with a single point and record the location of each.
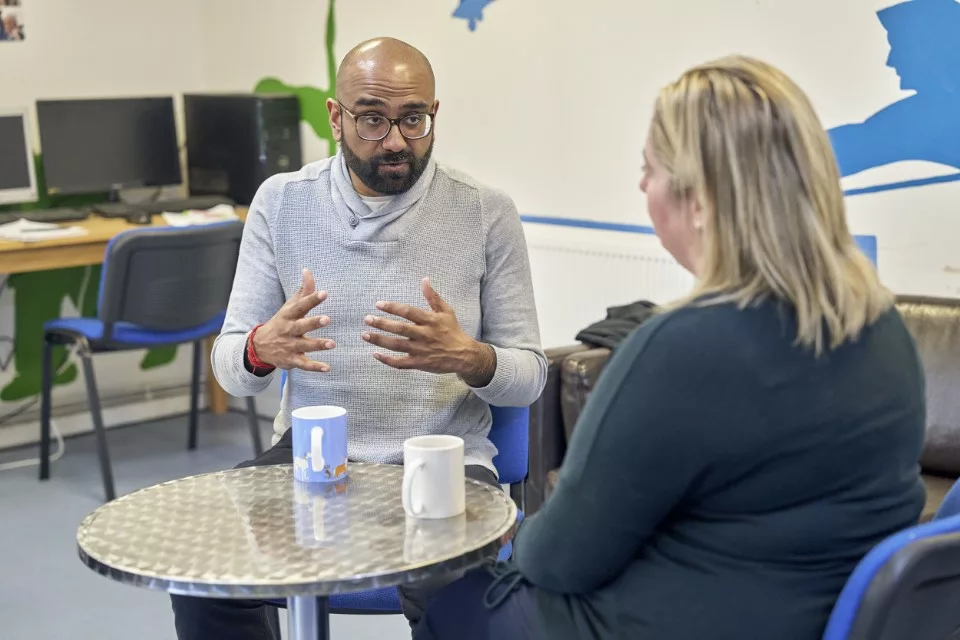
(313, 100)
(37, 297)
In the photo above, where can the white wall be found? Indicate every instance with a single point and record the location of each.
(103, 48)
(247, 40)
(548, 99)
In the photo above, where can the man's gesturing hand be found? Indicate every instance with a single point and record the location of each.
(282, 342)
(432, 340)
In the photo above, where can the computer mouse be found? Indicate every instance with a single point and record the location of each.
(140, 217)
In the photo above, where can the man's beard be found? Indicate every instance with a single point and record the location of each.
(369, 170)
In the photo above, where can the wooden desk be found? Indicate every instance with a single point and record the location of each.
(85, 250)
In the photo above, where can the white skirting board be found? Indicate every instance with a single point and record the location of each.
(75, 420)
(79, 422)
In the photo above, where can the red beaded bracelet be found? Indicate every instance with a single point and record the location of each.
(256, 362)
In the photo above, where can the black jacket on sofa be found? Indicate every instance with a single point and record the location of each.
(620, 322)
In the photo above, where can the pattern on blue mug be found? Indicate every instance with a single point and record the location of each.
(320, 444)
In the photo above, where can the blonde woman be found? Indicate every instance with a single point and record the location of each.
(746, 448)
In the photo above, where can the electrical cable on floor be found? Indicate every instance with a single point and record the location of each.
(32, 462)
(61, 444)
(70, 356)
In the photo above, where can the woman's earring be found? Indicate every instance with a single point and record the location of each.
(698, 225)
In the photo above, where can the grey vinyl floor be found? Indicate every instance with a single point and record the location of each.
(46, 593)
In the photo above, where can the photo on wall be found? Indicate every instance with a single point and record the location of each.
(11, 21)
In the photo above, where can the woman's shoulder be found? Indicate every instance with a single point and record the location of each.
(690, 332)
(695, 322)
(718, 336)
(732, 332)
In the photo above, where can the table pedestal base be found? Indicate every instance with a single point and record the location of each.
(308, 618)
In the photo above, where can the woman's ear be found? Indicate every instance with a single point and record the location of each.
(694, 210)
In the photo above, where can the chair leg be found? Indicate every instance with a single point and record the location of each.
(195, 395)
(46, 384)
(254, 420)
(93, 399)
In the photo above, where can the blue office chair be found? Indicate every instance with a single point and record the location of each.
(510, 434)
(159, 286)
(908, 586)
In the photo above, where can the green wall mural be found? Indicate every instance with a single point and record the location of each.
(37, 298)
(313, 100)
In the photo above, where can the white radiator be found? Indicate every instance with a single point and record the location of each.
(578, 273)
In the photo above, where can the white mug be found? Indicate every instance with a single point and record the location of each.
(434, 481)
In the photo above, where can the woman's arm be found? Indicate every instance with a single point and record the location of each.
(633, 456)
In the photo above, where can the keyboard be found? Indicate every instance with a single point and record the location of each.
(123, 209)
(62, 214)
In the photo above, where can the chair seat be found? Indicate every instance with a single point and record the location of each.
(125, 333)
(386, 600)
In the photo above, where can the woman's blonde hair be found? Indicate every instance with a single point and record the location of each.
(743, 140)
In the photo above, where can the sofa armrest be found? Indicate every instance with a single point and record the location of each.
(579, 375)
(935, 326)
(547, 438)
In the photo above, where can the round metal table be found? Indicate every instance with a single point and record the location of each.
(258, 533)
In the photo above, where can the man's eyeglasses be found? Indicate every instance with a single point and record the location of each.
(374, 127)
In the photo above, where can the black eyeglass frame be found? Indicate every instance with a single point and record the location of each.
(394, 122)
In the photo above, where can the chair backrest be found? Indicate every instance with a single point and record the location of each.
(169, 278)
(908, 586)
(510, 433)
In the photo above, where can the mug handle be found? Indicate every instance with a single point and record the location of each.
(408, 487)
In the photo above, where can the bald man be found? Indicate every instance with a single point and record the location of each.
(384, 284)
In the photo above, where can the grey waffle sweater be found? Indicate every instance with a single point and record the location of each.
(466, 237)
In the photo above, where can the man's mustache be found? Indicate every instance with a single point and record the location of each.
(393, 158)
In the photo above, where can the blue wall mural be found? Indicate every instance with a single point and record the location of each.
(867, 244)
(924, 37)
(471, 11)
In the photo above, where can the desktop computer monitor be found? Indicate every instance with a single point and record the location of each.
(108, 144)
(18, 182)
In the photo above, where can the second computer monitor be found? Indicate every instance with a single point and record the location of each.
(17, 180)
(90, 146)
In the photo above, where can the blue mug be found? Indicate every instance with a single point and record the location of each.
(320, 444)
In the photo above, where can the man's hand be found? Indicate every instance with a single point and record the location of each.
(432, 340)
(282, 341)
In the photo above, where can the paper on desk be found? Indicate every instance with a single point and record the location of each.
(219, 213)
(29, 231)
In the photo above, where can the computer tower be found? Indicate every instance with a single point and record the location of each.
(236, 141)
